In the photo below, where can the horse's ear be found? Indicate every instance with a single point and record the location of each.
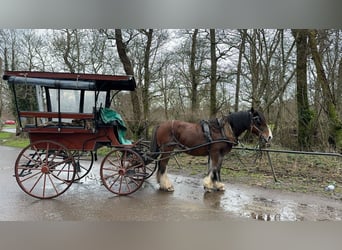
(252, 110)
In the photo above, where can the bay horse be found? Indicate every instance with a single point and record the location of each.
(215, 139)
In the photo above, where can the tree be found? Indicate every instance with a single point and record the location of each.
(1, 91)
(339, 87)
(147, 77)
(213, 74)
(335, 122)
(262, 48)
(19, 51)
(135, 125)
(305, 115)
(64, 45)
(194, 75)
(243, 34)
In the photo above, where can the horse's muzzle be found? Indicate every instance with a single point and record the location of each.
(268, 136)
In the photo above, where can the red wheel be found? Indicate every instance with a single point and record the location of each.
(122, 171)
(44, 169)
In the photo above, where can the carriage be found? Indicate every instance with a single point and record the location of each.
(72, 119)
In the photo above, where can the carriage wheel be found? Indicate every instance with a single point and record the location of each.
(123, 171)
(84, 162)
(44, 169)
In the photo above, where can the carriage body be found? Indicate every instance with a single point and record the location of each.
(68, 106)
(65, 130)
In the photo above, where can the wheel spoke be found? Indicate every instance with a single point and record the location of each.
(35, 184)
(31, 176)
(53, 184)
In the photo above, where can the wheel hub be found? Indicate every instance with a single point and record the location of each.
(122, 171)
(45, 169)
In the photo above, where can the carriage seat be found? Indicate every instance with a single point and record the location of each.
(77, 120)
(111, 117)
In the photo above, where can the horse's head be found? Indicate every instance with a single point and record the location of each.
(259, 126)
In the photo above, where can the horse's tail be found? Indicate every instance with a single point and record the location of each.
(154, 148)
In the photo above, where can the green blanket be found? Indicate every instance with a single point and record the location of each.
(108, 116)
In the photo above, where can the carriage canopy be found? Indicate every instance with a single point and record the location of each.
(76, 81)
(70, 92)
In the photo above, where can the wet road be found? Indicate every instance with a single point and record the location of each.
(90, 201)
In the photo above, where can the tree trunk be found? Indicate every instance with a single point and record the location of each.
(243, 34)
(135, 125)
(67, 52)
(335, 123)
(303, 110)
(146, 88)
(339, 88)
(255, 68)
(1, 90)
(213, 72)
(193, 76)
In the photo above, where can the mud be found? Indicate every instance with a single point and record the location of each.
(88, 200)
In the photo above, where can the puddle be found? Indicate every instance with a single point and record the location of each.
(237, 201)
(261, 204)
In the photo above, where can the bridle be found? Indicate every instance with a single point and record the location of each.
(254, 126)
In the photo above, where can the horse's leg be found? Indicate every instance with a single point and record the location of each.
(218, 184)
(213, 180)
(162, 178)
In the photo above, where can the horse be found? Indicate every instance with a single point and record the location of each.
(213, 138)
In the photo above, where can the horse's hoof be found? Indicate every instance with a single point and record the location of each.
(208, 190)
(219, 186)
(169, 189)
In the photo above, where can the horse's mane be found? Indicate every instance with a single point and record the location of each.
(239, 121)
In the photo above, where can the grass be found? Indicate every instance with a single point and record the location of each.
(11, 140)
(5, 136)
(18, 143)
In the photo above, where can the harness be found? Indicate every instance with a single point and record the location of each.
(206, 130)
(225, 129)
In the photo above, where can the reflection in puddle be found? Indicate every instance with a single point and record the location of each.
(266, 217)
(237, 201)
(258, 208)
(245, 205)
